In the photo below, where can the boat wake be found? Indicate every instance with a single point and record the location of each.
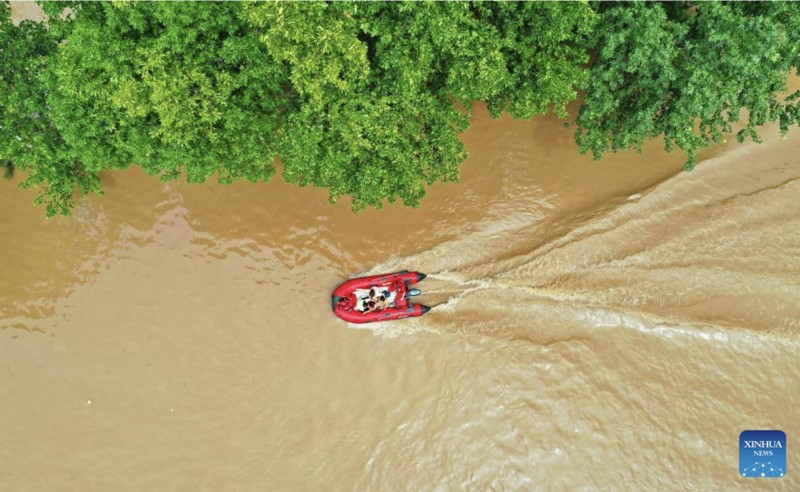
(711, 252)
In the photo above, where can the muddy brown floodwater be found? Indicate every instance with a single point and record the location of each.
(608, 326)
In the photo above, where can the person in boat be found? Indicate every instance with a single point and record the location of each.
(384, 294)
(377, 301)
(369, 306)
(377, 304)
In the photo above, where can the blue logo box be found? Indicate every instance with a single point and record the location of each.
(762, 454)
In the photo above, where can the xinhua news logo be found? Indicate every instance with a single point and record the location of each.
(762, 453)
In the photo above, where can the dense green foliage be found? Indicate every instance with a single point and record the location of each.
(173, 87)
(687, 73)
(375, 83)
(28, 138)
(368, 99)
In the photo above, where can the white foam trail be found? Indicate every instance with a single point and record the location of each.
(705, 254)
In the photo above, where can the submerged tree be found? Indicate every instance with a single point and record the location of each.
(687, 72)
(375, 84)
(29, 139)
(359, 98)
(178, 88)
(368, 99)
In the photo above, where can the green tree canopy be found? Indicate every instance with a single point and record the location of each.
(367, 99)
(375, 84)
(28, 138)
(687, 72)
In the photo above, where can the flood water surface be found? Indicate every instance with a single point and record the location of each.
(610, 325)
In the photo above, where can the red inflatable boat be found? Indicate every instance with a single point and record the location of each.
(378, 298)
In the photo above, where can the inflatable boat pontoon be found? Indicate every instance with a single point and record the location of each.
(378, 298)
